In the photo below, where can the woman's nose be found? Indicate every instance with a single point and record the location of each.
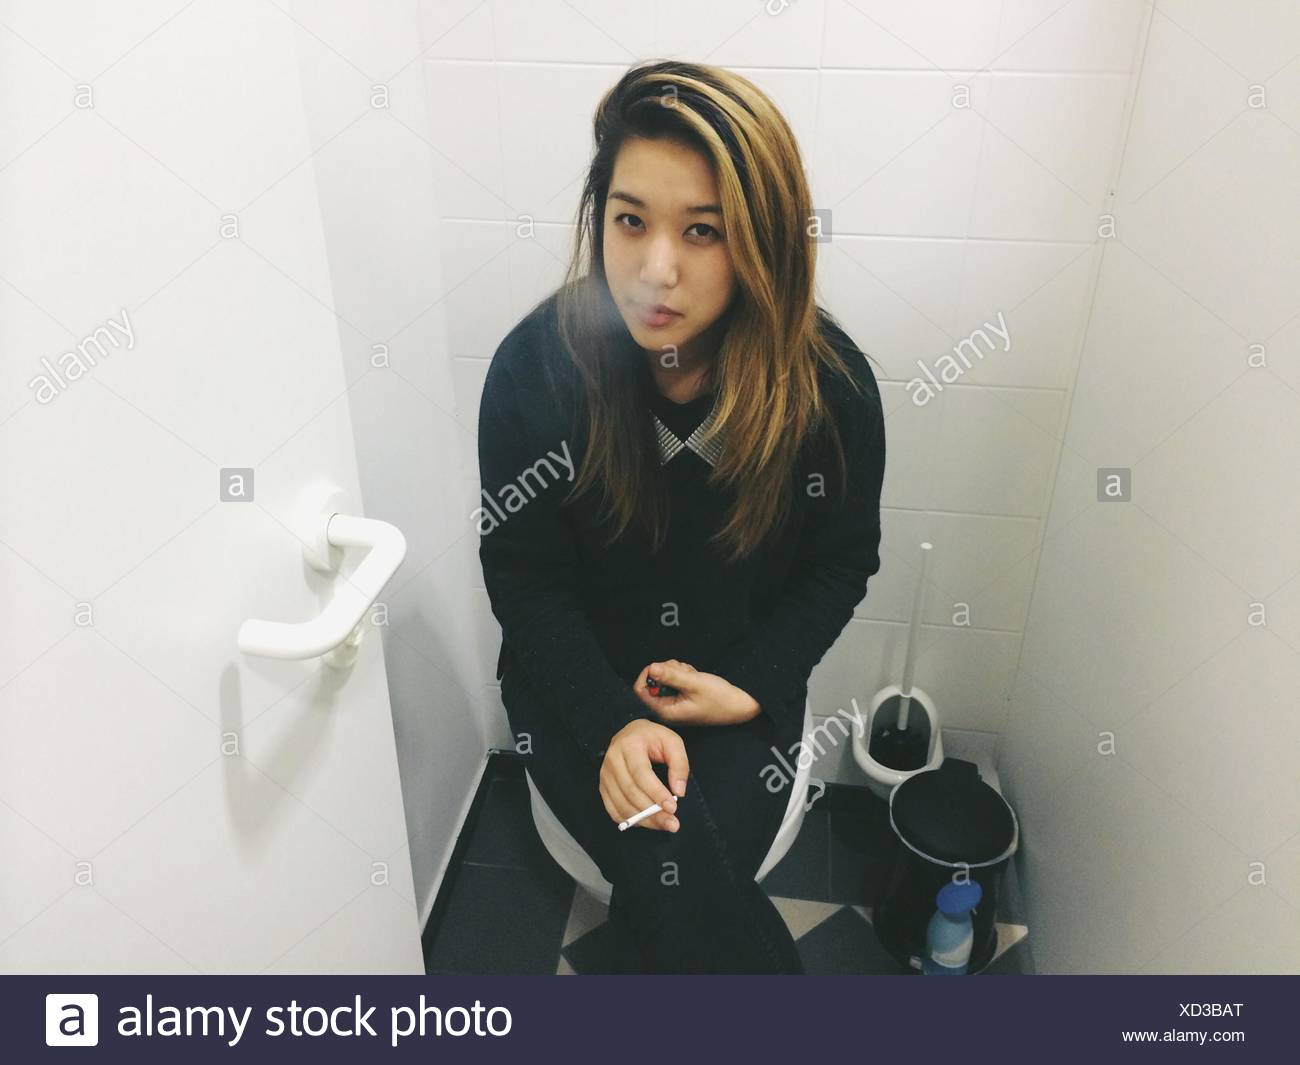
(660, 267)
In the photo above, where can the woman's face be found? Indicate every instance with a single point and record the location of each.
(664, 243)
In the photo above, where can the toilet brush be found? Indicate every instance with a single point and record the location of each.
(899, 739)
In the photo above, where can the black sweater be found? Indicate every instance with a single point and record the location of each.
(580, 621)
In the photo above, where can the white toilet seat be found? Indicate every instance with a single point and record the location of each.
(575, 861)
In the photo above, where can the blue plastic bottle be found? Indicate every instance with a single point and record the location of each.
(949, 935)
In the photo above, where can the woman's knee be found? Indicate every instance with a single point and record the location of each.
(670, 869)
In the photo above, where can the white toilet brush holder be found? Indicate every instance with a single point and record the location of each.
(880, 778)
(913, 703)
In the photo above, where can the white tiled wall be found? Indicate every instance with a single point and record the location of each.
(942, 217)
(1152, 741)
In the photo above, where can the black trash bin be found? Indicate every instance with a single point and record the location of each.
(950, 824)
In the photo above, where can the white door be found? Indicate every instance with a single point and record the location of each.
(167, 802)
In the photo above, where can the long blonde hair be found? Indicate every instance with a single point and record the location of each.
(766, 371)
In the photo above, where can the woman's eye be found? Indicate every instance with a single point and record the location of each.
(635, 219)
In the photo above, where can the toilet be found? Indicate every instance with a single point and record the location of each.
(579, 865)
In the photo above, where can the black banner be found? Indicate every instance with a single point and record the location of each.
(652, 1019)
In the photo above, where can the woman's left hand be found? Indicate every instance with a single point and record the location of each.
(703, 699)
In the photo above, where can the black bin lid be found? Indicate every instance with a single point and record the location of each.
(950, 815)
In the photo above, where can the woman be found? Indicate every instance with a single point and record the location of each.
(681, 457)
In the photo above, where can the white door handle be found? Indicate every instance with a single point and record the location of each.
(337, 631)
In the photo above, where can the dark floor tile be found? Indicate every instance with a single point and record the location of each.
(502, 920)
(853, 799)
(861, 846)
(845, 945)
(804, 872)
(506, 766)
(504, 833)
(1015, 962)
(605, 950)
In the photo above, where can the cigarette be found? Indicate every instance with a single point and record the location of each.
(625, 825)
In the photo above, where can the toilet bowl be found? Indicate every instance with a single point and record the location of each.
(578, 864)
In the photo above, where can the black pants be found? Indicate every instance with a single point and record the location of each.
(684, 901)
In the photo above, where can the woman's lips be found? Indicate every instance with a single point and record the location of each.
(652, 318)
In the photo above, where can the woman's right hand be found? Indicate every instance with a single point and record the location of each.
(628, 784)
